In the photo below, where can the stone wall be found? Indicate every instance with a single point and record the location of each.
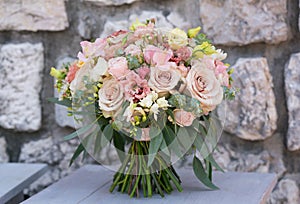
(261, 37)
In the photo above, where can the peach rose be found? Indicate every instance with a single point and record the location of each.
(118, 67)
(164, 78)
(204, 86)
(183, 118)
(111, 97)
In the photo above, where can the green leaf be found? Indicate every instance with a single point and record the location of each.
(213, 162)
(154, 131)
(77, 152)
(78, 132)
(171, 140)
(107, 133)
(154, 147)
(185, 138)
(119, 143)
(64, 102)
(201, 174)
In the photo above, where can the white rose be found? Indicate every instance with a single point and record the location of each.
(163, 78)
(111, 97)
(204, 86)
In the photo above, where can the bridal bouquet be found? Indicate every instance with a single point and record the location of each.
(150, 92)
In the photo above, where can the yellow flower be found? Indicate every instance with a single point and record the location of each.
(56, 73)
(80, 63)
(136, 24)
(193, 32)
(177, 38)
(205, 48)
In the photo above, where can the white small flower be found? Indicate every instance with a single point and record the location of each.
(146, 102)
(162, 103)
(154, 110)
(220, 55)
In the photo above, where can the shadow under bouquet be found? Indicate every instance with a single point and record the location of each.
(151, 94)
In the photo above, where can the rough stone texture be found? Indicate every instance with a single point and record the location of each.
(170, 21)
(237, 22)
(299, 17)
(286, 192)
(33, 15)
(252, 114)
(3, 154)
(110, 2)
(21, 68)
(263, 161)
(61, 117)
(292, 92)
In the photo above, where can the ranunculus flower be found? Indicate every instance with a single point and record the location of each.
(183, 118)
(204, 86)
(156, 56)
(177, 38)
(133, 50)
(164, 78)
(118, 67)
(111, 97)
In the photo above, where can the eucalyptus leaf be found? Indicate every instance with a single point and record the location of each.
(201, 174)
(154, 147)
(79, 132)
(64, 102)
(77, 152)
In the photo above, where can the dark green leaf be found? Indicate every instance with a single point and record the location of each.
(201, 174)
(119, 143)
(106, 135)
(64, 102)
(171, 140)
(154, 147)
(213, 162)
(77, 152)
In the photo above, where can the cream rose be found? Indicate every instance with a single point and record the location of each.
(111, 97)
(163, 78)
(177, 38)
(183, 118)
(204, 86)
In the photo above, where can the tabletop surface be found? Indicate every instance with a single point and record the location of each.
(14, 177)
(91, 183)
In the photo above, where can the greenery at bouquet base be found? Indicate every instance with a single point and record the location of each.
(150, 93)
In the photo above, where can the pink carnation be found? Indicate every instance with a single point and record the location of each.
(118, 67)
(143, 72)
(72, 72)
(135, 87)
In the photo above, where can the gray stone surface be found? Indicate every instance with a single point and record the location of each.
(252, 114)
(172, 20)
(3, 155)
(236, 22)
(90, 184)
(15, 177)
(286, 192)
(292, 92)
(61, 112)
(33, 15)
(21, 68)
(110, 2)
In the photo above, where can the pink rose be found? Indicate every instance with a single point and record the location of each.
(118, 67)
(156, 56)
(183, 118)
